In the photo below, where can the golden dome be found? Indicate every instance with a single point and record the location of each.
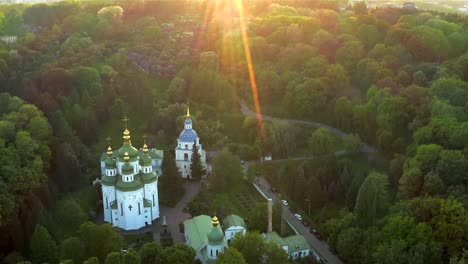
(109, 151)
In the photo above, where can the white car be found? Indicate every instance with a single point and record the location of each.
(284, 202)
(298, 216)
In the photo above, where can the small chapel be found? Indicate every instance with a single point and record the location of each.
(130, 184)
(188, 138)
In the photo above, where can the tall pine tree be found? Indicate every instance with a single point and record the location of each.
(196, 168)
(171, 184)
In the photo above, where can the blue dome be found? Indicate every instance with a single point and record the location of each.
(188, 121)
(188, 135)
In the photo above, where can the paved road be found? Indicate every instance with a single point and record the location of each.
(177, 214)
(247, 112)
(321, 246)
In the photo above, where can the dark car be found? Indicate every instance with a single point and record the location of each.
(316, 233)
(305, 223)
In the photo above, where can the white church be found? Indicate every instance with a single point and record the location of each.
(184, 149)
(130, 185)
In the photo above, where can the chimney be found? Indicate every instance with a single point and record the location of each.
(270, 215)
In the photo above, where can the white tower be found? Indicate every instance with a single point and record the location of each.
(184, 149)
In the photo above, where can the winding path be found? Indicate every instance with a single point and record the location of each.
(247, 112)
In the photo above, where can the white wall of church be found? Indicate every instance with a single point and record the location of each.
(108, 196)
(130, 209)
(151, 193)
(231, 231)
(214, 250)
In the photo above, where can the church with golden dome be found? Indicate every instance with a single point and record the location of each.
(130, 184)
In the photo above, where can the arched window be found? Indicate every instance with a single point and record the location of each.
(211, 253)
(185, 156)
(186, 146)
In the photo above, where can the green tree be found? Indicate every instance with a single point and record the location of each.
(43, 247)
(177, 254)
(196, 167)
(149, 252)
(69, 216)
(251, 246)
(115, 258)
(258, 217)
(72, 248)
(348, 242)
(91, 260)
(227, 171)
(131, 257)
(372, 200)
(322, 142)
(230, 256)
(177, 90)
(100, 240)
(170, 180)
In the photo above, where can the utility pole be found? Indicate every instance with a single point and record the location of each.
(308, 200)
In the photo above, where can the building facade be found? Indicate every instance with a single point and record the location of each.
(233, 224)
(185, 146)
(130, 185)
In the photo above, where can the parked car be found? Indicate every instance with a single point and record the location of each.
(284, 202)
(273, 189)
(298, 216)
(305, 223)
(316, 233)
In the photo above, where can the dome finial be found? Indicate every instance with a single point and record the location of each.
(125, 120)
(126, 133)
(126, 157)
(215, 221)
(188, 111)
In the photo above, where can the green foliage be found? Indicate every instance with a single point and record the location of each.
(115, 258)
(196, 167)
(24, 138)
(372, 200)
(231, 256)
(177, 254)
(100, 240)
(170, 180)
(254, 248)
(69, 216)
(227, 172)
(149, 252)
(43, 247)
(72, 248)
(322, 142)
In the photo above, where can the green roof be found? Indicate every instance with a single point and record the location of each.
(275, 238)
(127, 169)
(145, 160)
(149, 177)
(296, 243)
(108, 180)
(196, 231)
(146, 203)
(233, 220)
(127, 147)
(110, 163)
(216, 235)
(129, 186)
